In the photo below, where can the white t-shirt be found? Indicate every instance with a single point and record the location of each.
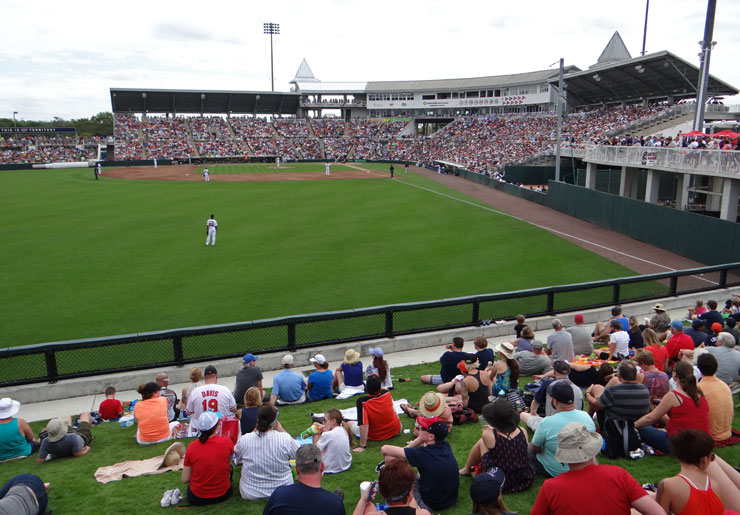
(211, 397)
(622, 339)
(265, 462)
(211, 224)
(336, 454)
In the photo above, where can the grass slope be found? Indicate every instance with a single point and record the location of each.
(85, 258)
(74, 490)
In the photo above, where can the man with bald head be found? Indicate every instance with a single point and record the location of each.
(162, 381)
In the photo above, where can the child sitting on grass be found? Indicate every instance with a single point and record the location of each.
(111, 408)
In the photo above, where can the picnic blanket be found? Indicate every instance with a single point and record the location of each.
(349, 391)
(134, 468)
(732, 440)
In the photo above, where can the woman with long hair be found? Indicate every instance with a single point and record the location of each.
(635, 334)
(335, 441)
(524, 342)
(684, 408)
(380, 367)
(265, 456)
(150, 413)
(195, 376)
(248, 414)
(505, 372)
(659, 352)
(207, 466)
(396, 484)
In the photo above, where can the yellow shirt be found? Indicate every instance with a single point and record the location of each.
(721, 407)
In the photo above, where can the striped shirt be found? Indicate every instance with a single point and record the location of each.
(625, 401)
(265, 461)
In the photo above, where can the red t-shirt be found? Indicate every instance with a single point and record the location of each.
(676, 343)
(570, 494)
(110, 409)
(660, 355)
(211, 466)
(377, 412)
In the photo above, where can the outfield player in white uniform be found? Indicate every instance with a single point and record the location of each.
(277, 162)
(206, 175)
(98, 170)
(211, 227)
(210, 397)
(328, 168)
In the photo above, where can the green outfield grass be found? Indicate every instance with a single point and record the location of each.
(86, 258)
(290, 167)
(74, 489)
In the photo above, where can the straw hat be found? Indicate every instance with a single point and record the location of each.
(173, 455)
(351, 356)
(507, 349)
(432, 404)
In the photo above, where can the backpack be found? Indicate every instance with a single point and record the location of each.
(461, 415)
(620, 438)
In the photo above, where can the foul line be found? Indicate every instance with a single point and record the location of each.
(549, 229)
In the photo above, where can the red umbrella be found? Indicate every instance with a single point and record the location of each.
(726, 134)
(692, 134)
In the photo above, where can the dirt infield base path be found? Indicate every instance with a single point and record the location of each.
(635, 255)
(191, 173)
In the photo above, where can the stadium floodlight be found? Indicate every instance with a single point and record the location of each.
(272, 29)
(15, 124)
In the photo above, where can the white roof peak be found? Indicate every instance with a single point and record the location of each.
(304, 73)
(615, 50)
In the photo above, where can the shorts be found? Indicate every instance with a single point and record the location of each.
(533, 422)
(83, 429)
(535, 464)
(436, 379)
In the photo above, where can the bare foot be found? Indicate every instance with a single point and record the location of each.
(464, 471)
(47, 485)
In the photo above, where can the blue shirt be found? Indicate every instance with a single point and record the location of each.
(546, 437)
(288, 385)
(485, 357)
(320, 382)
(352, 374)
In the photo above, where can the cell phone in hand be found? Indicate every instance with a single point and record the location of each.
(371, 492)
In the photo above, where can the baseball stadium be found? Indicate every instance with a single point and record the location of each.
(371, 221)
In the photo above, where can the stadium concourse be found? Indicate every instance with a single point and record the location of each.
(420, 349)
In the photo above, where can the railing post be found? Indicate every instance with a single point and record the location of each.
(177, 350)
(51, 366)
(722, 278)
(674, 286)
(476, 312)
(615, 295)
(550, 303)
(389, 324)
(291, 336)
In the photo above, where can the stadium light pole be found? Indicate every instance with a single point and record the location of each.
(644, 31)
(272, 29)
(559, 114)
(706, 51)
(15, 124)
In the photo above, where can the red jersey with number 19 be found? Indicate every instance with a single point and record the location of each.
(211, 397)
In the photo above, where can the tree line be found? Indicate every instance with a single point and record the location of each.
(99, 125)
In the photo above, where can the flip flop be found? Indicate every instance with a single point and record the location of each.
(406, 409)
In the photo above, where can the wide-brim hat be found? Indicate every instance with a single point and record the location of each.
(507, 349)
(577, 444)
(172, 455)
(659, 307)
(8, 407)
(56, 429)
(432, 404)
(501, 415)
(351, 356)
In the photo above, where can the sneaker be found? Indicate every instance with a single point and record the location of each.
(176, 497)
(166, 499)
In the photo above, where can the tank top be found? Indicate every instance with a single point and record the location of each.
(478, 398)
(248, 420)
(12, 442)
(688, 415)
(701, 502)
(503, 381)
(510, 455)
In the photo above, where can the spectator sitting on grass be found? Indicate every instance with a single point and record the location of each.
(485, 492)
(380, 367)
(602, 330)
(696, 332)
(432, 404)
(163, 380)
(349, 372)
(655, 380)
(560, 343)
(449, 361)
(719, 398)
(207, 466)
(319, 381)
(250, 375)
(485, 355)
(306, 495)
(533, 362)
(111, 408)
(248, 414)
(195, 376)
(151, 416)
(583, 343)
(16, 437)
(728, 358)
(24, 494)
(376, 417)
(396, 484)
(63, 441)
(288, 386)
(334, 439)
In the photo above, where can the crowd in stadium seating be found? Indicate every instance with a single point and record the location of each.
(482, 144)
(675, 395)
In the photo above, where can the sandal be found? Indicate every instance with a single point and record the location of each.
(406, 408)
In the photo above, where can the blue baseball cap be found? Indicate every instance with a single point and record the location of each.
(677, 324)
(248, 358)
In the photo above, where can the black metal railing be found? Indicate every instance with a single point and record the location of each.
(49, 362)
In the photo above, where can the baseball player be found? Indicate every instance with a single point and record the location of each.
(328, 168)
(206, 175)
(392, 170)
(98, 170)
(155, 162)
(406, 168)
(211, 226)
(277, 162)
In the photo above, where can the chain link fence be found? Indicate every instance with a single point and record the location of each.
(62, 360)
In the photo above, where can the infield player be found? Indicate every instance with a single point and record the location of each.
(211, 227)
(206, 175)
(277, 162)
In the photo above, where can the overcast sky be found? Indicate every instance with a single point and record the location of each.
(61, 58)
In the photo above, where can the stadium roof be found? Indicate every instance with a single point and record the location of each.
(198, 101)
(615, 50)
(657, 75)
